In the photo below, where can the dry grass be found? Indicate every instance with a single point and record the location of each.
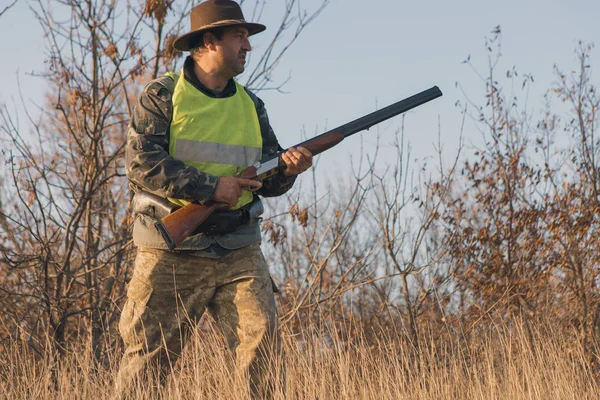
(500, 365)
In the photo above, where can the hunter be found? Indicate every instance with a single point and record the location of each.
(191, 132)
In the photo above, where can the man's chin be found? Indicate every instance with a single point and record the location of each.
(239, 70)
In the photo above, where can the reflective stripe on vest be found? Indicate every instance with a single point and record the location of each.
(219, 136)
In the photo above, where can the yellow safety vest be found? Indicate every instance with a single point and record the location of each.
(218, 136)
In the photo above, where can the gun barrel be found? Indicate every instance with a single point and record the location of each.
(385, 113)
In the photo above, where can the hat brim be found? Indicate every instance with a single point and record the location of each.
(182, 43)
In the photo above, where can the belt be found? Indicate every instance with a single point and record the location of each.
(217, 223)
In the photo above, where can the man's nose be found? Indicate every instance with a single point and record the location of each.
(246, 46)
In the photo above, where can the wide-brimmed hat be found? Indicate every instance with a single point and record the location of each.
(215, 14)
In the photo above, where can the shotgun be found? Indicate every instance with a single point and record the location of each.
(178, 225)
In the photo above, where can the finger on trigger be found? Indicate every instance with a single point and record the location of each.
(256, 183)
(250, 183)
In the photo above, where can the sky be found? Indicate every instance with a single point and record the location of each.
(361, 55)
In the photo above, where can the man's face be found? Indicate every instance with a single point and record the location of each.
(232, 49)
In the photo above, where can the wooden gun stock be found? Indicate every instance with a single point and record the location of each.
(178, 225)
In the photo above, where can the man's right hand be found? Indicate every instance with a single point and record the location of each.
(229, 189)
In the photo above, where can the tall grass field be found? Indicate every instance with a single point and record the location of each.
(506, 364)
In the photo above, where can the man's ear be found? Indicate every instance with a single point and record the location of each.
(209, 41)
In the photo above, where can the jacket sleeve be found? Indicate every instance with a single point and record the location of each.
(147, 160)
(278, 184)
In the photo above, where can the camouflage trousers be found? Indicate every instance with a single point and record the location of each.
(169, 290)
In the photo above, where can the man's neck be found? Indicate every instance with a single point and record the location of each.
(190, 76)
(209, 77)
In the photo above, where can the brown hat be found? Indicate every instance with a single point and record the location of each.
(215, 14)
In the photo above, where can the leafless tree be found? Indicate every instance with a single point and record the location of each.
(575, 203)
(495, 221)
(322, 252)
(341, 255)
(8, 7)
(522, 222)
(405, 208)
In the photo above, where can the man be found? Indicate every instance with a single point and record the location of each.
(190, 134)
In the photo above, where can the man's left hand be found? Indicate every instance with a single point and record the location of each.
(297, 160)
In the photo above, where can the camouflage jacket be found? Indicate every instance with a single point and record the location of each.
(149, 166)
